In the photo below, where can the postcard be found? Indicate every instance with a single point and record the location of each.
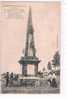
(30, 47)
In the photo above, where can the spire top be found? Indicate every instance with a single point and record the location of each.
(30, 16)
(30, 47)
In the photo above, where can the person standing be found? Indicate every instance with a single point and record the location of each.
(50, 78)
(11, 78)
(7, 79)
(54, 83)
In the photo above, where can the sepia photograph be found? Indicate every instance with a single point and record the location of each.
(30, 47)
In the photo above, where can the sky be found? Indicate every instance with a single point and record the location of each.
(13, 29)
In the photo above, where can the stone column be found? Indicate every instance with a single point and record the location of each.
(36, 69)
(24, 70)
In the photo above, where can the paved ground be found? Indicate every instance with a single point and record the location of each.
(30, 90)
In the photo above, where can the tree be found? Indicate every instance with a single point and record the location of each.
(43, 69)
(56, 59)
(49, 66)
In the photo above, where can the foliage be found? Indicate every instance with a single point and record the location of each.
(56, 59)
(49, 66)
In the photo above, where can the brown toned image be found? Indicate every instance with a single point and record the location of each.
(29, 47)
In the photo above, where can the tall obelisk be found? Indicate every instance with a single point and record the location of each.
(29, 58)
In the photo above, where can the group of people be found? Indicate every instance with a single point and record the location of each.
(10, 77)
(52, 80)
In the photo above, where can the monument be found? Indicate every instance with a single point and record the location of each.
(29, 61)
